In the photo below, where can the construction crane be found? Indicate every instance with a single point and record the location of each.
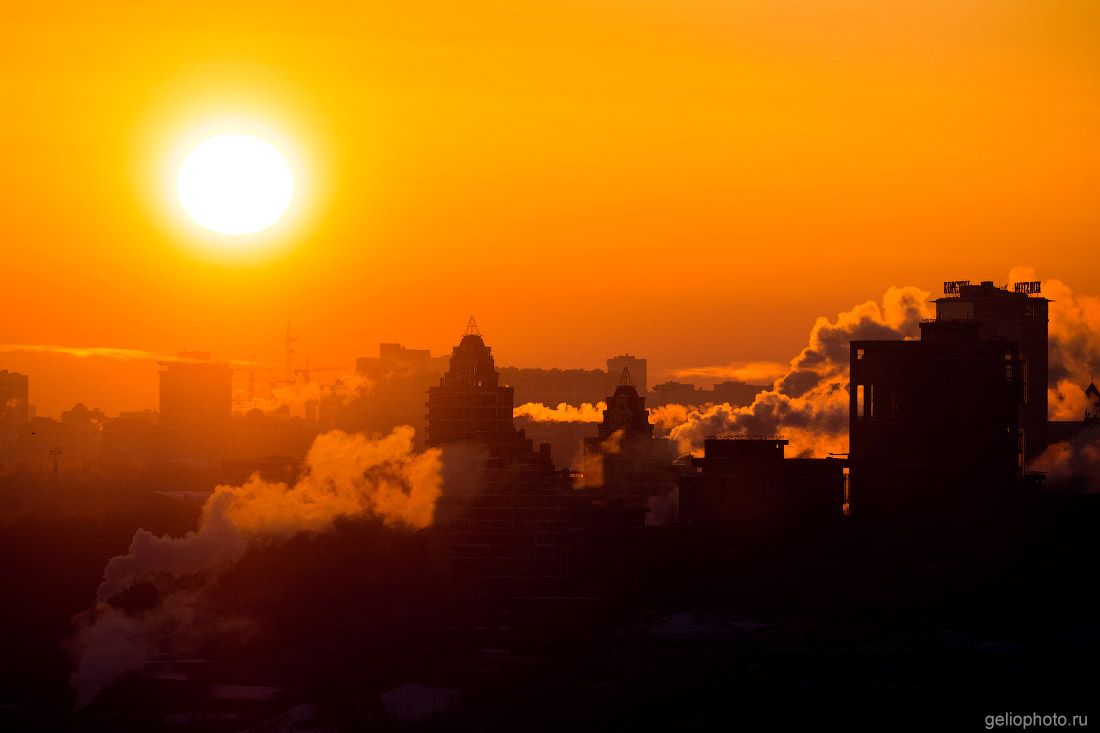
(289, 354)
(306, 371)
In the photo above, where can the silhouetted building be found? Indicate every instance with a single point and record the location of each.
(737, 394)
(625, 416)
(566, 439)
(554, 386)
(131, 437)
(84, 419)
(14, 404)
(396, 359)
(676, 393)
(399, 377)
(633, 364)
(471, 406)
(258, 440)
(624, 460)
(1092, 403)
(934, 423)
(749, 477)
(499, 529)
(1018, 315)
(196, 402)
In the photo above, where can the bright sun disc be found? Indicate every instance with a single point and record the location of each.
(235, 184)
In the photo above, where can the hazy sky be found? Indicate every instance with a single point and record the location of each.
(691, 181)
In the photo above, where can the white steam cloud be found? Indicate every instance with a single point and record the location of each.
(809, 402)
(347, 476)
(296, 396)
(564, 412)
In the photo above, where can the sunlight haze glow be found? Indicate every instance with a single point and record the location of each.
(235, 184)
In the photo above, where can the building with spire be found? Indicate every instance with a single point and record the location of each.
(470, 406)
(626, 412)
(624, 460)
(635, 365)
(499, 530)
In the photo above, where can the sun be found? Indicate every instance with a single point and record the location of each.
(235, 184)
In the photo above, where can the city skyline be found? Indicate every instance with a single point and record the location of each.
(575, 156)
(572, 365)
(124, 379)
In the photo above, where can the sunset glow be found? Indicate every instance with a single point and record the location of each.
(441, 366)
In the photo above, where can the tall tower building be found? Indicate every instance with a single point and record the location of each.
(626, 412)
(470, 405)
(635, 365)
(1019, 315)
(498, 529)
(625, 460)
(1092, 403)
(934, 424)
(14, 407)
(196, 403)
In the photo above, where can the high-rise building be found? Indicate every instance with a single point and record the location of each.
(395, 359)
(470, 405)
(748, 477)
(572, 386)
(196, 403)
(1092, 403)
(555, 386)
(936, 422)
(624, 460)
(499, 526)
(736, 394)
(1019, 315)
(398, 379)
(626, 413)
(635, 365)
(14, 405)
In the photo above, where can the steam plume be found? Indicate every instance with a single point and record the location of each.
(1074, 463)
(809, 402)
(294, 397)
(346, 476)
(1074, 335)
(564, 412)
(592, 462)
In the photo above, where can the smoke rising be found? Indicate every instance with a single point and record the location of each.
(564, 412)
(1074, 350)
(293, 398)
(346, 476)
(592, 461)
(1072, 464)
(809, 402)
(1074, 335)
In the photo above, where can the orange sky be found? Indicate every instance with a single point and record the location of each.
(691, 181)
